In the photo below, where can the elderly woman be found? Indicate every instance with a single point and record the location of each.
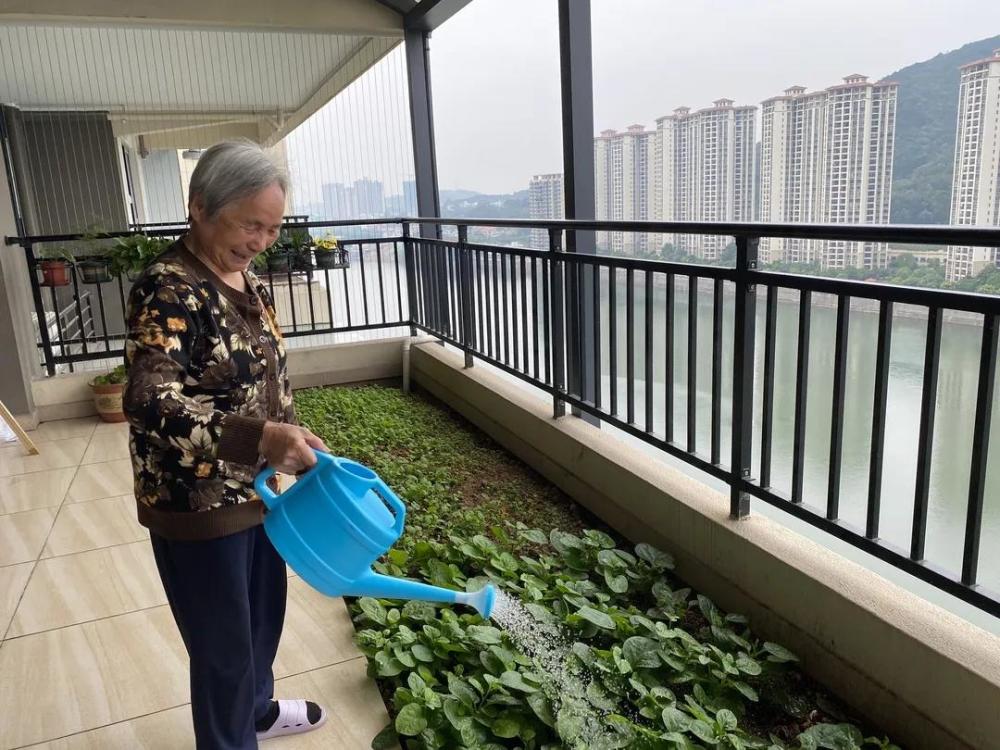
(209, 402)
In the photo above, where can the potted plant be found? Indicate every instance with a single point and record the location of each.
(94, 270)
(290, 252)
(55, 265)
(107, 390)
(95, 265)
(130, 255)
(275, 259)
(299, 242)
(329, 254)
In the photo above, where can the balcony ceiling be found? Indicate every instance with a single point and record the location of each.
(183, 74)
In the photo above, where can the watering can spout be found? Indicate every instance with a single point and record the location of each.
(387, 587)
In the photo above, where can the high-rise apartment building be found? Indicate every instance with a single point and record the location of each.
(624, 186)
(369, 198)
(545, 201)
(826, 157)
(338, 201)
(704, 171)
(975, 191)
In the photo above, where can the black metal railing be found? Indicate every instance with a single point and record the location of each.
(551, 318)
(521, 309)
(365, 291)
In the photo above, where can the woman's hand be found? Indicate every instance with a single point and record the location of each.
(289, 448)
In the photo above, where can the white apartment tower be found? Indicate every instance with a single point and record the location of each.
(975, 190)
(545, 201)
(704, 171)
(826, 157)
(624, 186)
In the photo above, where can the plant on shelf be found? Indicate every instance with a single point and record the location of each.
(299, 243)
(95, 265)
(55, 263)
(290, 252)
(273, 260)
(107, 390)
(130, 255)
(329, 253)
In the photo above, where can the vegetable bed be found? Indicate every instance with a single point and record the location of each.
(663, 666)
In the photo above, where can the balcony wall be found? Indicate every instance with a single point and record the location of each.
(68, 396)
(929, 678)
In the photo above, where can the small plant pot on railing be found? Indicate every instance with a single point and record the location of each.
(279, 262)
(107, 390)
(331, 259)
(55, 272)
(302, 260)
(132, 274)
(94, 270)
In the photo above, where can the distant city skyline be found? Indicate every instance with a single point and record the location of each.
(746, 52)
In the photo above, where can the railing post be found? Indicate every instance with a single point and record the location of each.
(558, 321)
(411, 278)
(36, 295)
(465, 292)
(743, 374)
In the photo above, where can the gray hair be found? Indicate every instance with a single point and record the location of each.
(230, 171)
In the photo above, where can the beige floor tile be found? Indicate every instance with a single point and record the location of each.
(107, 446)
(103, 428)
(88, 586)
(351, 698)
(13, 579)
(128, 666)
(318, 631)
(355, 708)
(166, 730)
(43, 489)
(96, 481)
(64, 428)
(55, 454)
(94, 524)
(22, 535)
(84, 677)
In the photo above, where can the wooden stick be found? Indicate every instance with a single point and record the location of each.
(18, 430)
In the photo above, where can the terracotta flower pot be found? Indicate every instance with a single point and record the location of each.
(55, 273)
(108, 401)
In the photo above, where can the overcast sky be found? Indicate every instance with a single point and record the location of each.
(495, 66)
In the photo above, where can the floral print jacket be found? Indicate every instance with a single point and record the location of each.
(206, 368)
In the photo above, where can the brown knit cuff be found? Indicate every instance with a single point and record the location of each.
(239, 441)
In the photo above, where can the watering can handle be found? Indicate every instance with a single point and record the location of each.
(260, 484)
(271, 499)
(397, 505)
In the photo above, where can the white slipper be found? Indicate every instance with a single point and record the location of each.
(292, 718)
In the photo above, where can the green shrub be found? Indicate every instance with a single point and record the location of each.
(115, 377)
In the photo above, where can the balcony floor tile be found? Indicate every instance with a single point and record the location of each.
(93, 524)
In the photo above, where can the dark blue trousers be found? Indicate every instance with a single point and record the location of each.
(228, 598)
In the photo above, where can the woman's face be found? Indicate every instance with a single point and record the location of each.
(241, 230)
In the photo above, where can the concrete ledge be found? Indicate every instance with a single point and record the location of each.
(342, 364)
(63, 396)
(68, 396)
(925, 675)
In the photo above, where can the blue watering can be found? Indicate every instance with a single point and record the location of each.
(335, 522)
